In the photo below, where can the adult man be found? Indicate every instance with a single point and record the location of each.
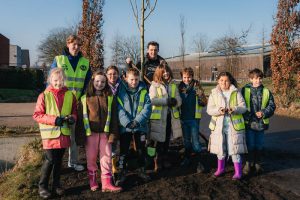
(78, 73)
(152, 60)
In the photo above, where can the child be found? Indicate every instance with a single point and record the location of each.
(114, 82)
(260, 106)
(165, 119)
(55, 111)
(134, 112)
(193, 99)
(226, 106)
(98, 113)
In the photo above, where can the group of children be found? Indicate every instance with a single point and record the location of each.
(114, 111)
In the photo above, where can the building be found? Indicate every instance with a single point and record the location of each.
(15, 56)
(25, 58)
(210, 63)
(4, 51)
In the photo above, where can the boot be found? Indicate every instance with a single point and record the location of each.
(221, 168)
(247, 170)
(258, 162)
(107, 186)
(237, 171)
(93, 180)
(44, 179)
(120, 178)
(142, 174)
(200, 166)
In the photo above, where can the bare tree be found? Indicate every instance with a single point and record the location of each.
(231, 46)
(200, 44)
(91, 33)
(182, 37)
(123, 47)
(53, 44)
(146, 9)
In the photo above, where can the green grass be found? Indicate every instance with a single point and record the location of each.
(22, 181)
(17, 95)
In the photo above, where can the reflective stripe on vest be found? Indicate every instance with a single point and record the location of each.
(198, 109)
(265, 100)
(141, 101)
(75, 80)
(49, 131)
(174, 108)
(156, 110)
(86, 121)
(236, 119)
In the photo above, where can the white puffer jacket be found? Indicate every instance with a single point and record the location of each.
(216, 141)
(158, 127)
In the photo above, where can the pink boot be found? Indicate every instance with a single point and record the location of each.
(93, 180)
(237, 171)
(221, 168)
(108, 187)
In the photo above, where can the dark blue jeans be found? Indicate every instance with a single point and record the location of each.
(190, 129)
(254, 139)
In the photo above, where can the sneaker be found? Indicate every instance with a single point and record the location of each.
(76, 167)
(44, 193)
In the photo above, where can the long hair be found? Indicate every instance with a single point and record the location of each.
(159, 71)
(91, 90)
(230, 77)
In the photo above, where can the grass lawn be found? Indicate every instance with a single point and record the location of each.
(17, 95)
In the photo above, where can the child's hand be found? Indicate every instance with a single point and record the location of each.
(230, 110)
(222, 111)
(70, 120)
(59, 121)
(259, 114)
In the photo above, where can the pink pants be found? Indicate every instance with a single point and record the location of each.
(97, 143)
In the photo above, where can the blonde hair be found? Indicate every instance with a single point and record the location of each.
(72, 38)
(59, 72)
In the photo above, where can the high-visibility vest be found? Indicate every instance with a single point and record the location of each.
(49, 131)
(141, 101)
(156, 110)
(236, 119)
(86, 121)
(265, 100)
(75, 80)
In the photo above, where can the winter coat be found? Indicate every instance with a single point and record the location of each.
(188, 95)
(40, 116)
(158, 126)
(255, 106)
(128, 111)
(217, 139)
(97, 109)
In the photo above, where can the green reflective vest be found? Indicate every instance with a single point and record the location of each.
(141, 100)
(75, 80)
(156, 110)
(265, 100)
(198, 109)
(236, 119)
(86, 121)
(49, 131)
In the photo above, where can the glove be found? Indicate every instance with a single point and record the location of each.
(172, 102)
(59, 121)
(70, 120)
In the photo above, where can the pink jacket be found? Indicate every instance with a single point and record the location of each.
(40, 116)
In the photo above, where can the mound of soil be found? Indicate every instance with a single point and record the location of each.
(179, 183)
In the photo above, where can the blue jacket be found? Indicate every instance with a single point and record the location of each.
(128, 113)
(74, 61)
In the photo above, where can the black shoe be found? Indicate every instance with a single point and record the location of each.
(200, 167)
(59, 191)
(44, 193)
(120, 178)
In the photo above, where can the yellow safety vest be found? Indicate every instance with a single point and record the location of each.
(86, 121)
(49, 131)
(141, 100)
(198, 109)
(265, 100)
(75, 80)
(236, 119)
(156, 110)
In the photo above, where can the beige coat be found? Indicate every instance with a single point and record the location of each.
(158, 127)
(237, 144)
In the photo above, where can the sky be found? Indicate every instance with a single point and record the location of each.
(27, 22)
